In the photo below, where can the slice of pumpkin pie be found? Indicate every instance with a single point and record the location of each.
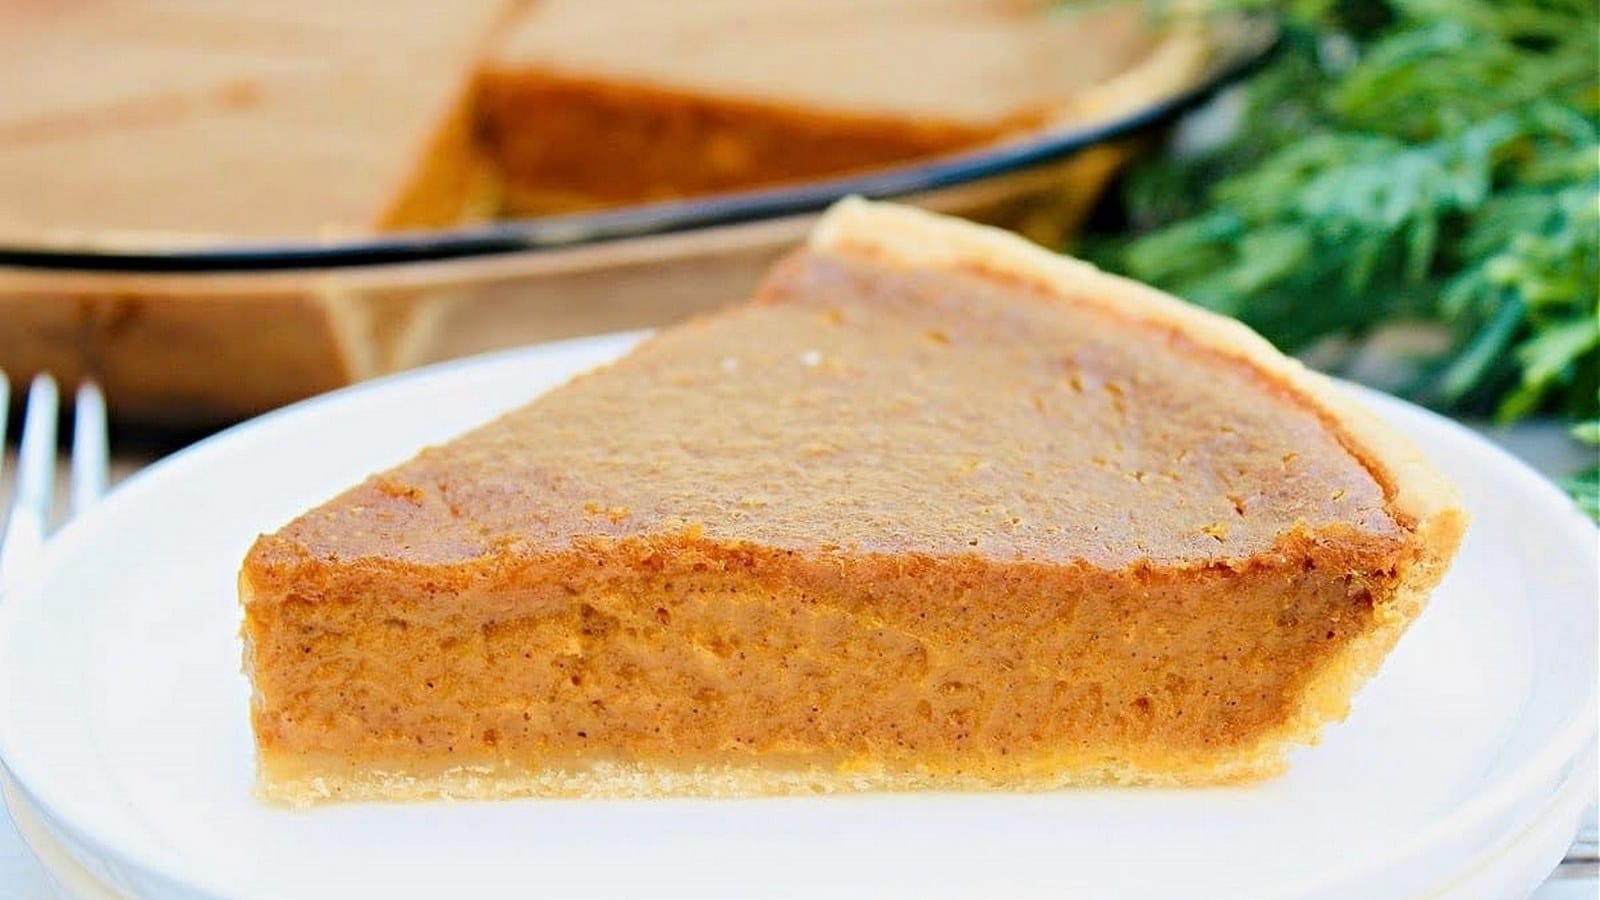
(937, 509)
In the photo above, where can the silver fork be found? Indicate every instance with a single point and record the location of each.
(29, 521)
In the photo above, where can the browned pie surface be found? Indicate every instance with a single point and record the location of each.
(886, 526)
(874, 411)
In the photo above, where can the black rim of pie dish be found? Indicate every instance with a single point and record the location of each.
(1234, 62)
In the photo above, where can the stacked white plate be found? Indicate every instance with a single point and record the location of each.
(1461, 773)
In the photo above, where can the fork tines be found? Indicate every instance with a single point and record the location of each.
(29, 521)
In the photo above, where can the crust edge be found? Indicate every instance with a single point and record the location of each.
(1418, 494)
(632, 780)
(1419, 497)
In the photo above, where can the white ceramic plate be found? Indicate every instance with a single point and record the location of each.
(1507, 870)
(122, 715)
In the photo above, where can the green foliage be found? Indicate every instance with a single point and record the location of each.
(1432, 160)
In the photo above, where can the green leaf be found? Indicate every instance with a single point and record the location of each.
(1486, 346)
(1421, 243)
(1268, 257)
(1556, 349)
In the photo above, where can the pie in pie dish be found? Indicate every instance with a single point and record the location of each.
(190, 123)
(147, 127)
(936, 509)
(589, 104)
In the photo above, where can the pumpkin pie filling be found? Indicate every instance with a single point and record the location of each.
(587, 104)
(895, 523)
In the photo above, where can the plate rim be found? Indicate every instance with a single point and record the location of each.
(1574, 733)
(1580, 782)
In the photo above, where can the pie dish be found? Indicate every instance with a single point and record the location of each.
(316, 139)
(194, 123)
(937, 509)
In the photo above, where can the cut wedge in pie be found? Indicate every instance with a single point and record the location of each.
(591, 104)
(937, 509)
